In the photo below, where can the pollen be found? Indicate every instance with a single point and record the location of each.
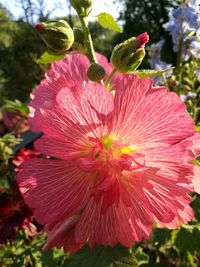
(114, 147)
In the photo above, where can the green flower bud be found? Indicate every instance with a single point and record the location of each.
(79, 39)
(57, 35)
(79, 35)
(95, 72)
(136, 60)
(80, 48)
(82, 7)
(127, 56)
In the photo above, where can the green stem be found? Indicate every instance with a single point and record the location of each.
(107, 82)
(88, 39)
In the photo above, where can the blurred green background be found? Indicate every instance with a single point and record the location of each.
(20, 46)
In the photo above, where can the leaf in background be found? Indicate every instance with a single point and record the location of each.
(107, 21)
(152, 73)
(196, 207)
(161, 236)
(7, 141)
(16, 105)
(187, 238)
(102, 256)
(197, 127)
(52, 258)
(47, 58)
(190, 259)
(4, 184)
(141, 257)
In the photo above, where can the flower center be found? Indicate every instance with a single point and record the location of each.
(109, 149)
(110, 161)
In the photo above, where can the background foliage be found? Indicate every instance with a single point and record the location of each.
(20, 46)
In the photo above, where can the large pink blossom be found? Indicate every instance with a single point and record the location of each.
(119, 161)
(196, 150)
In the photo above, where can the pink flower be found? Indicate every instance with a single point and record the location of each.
(142, 39)
(23, 155)
(196, 180)
(120, 161)
(196, 151)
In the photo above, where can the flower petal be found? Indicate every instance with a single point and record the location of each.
(118, 224)
(71, 72)
(147, 116)
(53, 188)
(77, 114)
(196, 179)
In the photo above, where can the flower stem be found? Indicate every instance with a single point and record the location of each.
(88, 39)
(107, 82)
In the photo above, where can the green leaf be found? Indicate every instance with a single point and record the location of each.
(52, 258)
(151, 73)
(141, 257)
(197, 128)
(154, 264)
(47, 259)
(102, 256)
(16, 105)
(187, 238)
(196, 207)
(190, 259)
(161, 236)
(107, 21)
(5, 184)
(7, 141)
(47, 58)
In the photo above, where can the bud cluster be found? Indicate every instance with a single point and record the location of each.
(59, 38)
(82, 7)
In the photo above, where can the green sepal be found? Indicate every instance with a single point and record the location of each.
(48, 57)
(151, 73)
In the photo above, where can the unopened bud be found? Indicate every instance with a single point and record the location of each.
(141, 40)
(79, 39)
(79, 35)
(80, 48)
(127, 56)
(137, 59)
(57, 35)
(95, 72)
(83, 7)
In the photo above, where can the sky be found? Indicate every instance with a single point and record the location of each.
(99, 6)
